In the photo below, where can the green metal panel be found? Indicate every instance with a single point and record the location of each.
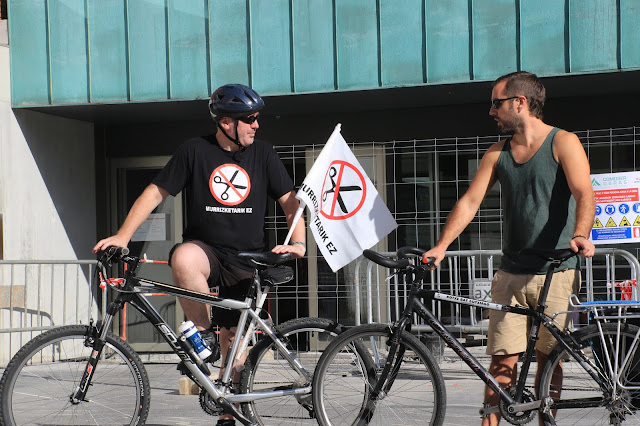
(542, 35)
(630, 33)
(494, 38)
(448, 41)
(107, 50)
(188, 50)
(68, 50)
(147, 46)
(81, 51)
(402, 43)
(29, 61)
(593, 35)
(313, 45)
(271, 46)
(229, 42)
(357, 44)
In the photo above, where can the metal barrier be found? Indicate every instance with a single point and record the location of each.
(603, 279)
(36, 295)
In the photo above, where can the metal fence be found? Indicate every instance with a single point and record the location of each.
(39, 295)
(610, 275)
(36, 295)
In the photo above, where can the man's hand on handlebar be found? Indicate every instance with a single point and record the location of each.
(582, 246)
(436, 253)
(114, 240)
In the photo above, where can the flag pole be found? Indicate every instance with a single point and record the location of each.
(294, 222)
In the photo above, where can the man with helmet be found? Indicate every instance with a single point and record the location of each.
(227, 177)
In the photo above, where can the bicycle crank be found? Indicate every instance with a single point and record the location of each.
(209, 405)
(518, 417)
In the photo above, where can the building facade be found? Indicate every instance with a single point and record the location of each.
(102, 92)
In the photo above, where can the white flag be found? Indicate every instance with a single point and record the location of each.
(347, 215)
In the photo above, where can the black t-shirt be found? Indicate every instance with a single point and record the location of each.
(226, 196)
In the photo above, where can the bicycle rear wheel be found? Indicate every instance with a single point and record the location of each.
(577, 397)
(38, 382)
(350, 367)
(266, 369)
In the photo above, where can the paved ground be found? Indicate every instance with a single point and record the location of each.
(168, 407)
(464, 394)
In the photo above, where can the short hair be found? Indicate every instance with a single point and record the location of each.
(528, 85)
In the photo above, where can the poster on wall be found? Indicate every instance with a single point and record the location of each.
(617, 208)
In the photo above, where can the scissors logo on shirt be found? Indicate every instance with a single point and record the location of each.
(343, 192)
(229, 184)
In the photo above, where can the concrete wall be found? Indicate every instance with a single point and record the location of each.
(47, 208)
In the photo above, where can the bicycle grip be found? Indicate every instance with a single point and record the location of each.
(117, 251)
(386, 261)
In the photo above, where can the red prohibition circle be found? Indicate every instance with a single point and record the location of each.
(230, 187)
(339, 174)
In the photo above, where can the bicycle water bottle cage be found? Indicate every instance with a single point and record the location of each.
(277, 275)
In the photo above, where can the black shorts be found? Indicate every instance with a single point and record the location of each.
(232, 281)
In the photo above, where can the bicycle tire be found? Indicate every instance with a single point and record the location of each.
(578, 386)
(265, 370)
(39, 380)
(344, 379)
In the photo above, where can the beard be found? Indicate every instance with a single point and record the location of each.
(511, 125)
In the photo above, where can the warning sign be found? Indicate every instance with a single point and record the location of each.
(617, 197)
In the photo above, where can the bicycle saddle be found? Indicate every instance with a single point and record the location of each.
(548, 254)
(264, 259)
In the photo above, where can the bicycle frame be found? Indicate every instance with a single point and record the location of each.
(414, 305)
(132, 293)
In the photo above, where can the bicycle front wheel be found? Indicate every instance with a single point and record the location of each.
(267, 370)
(577, 397)
(348, 371)
(42, 376)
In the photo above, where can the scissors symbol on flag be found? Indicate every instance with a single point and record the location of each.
(336, 189)
(222, 180)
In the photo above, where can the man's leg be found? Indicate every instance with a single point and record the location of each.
(226, 339)
(504, 369)
(191, 270)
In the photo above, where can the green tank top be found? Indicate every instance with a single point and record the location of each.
(538, 208)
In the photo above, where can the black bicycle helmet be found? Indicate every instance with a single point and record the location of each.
(234, 100)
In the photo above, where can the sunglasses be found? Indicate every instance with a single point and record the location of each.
(495, 103)
(249, 119)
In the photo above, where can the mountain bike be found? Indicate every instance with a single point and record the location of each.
(82, 374)
(398, 382)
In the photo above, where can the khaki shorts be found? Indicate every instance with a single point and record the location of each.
(508, 332)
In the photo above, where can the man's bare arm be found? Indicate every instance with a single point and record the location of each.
(575, 165)
(142, 207)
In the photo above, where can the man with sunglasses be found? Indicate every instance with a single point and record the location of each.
(548, 203)
(227, 177)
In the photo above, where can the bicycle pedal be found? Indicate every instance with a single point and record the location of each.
(183, 369)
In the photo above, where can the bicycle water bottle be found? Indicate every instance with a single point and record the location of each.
(191, 333)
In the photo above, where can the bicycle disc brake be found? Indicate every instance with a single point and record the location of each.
(209, 405)
(519, 417)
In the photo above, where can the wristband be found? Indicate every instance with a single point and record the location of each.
(579, 236)
(298, 242)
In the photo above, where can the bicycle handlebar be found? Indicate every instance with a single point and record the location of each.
(405, 251)
(402, 261)
(386, 261)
